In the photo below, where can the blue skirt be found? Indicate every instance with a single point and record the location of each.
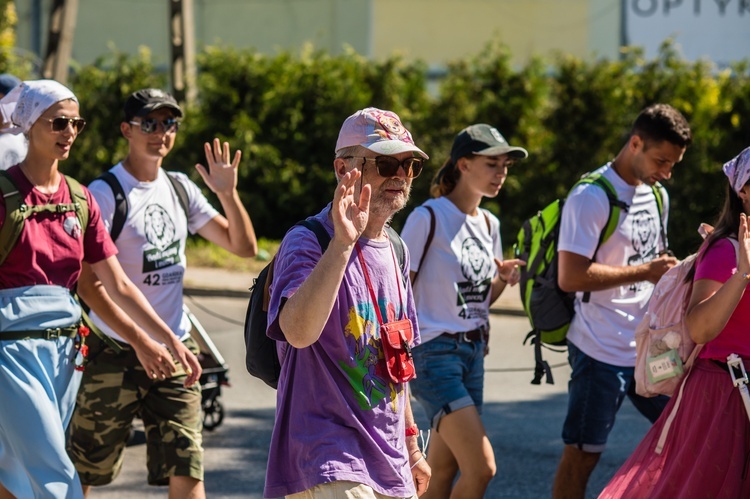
(38, 383)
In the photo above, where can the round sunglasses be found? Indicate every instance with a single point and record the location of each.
(61, 123)
(388, 166)
(151, 125)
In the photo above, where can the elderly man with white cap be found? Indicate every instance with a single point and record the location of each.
(345, 322)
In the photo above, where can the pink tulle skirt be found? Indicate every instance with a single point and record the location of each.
(707, 450)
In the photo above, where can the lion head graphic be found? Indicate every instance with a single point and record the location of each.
(160, 229)
(644, 237)
(476, 263)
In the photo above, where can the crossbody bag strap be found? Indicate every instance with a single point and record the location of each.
(374, 298)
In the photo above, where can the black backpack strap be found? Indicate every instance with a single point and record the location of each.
(430, 236)
(120, 213)
(324, 238)
(320, 232)
(182, 195)
(487, 221)
(398, 246)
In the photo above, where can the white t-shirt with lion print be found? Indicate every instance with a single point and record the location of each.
(604, 327)
(152, 242)
(453, 289)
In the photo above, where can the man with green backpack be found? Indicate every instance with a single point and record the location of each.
(613, 280)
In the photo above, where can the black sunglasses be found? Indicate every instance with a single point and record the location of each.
(388, 166)
(150, 125)
(61, 123)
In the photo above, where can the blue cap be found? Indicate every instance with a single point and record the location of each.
(8, 82)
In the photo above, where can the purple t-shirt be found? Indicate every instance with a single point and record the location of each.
(338, 415)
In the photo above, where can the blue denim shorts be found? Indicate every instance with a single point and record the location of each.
(595, 393)
(450, 376)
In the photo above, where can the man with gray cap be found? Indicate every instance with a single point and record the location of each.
(161, 208)
(344, 320)
(13, 147)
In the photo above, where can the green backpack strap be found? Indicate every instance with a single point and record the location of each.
(80, 202)
(657, 190)
(15, 215)
(616, 206)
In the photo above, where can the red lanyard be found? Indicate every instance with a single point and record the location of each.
(369, 282)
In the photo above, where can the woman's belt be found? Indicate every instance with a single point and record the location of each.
(47, 334)
(478, 334)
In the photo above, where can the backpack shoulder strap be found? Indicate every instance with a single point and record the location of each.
(657, 189)
(80, 201)
(324, 238)
(14, 215)
(398, 246)
(428, 242)
(120, 213)
(181, 191)
(320, 232)
(487, 221)
(616, 206)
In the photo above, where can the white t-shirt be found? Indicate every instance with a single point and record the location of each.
(152, 242)
(13, 149)
(604, 327)
(453, 289)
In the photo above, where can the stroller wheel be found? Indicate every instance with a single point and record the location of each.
(213, 415)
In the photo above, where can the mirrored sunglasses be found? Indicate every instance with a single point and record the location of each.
(151, 125)
(61, 123)
(388, 166)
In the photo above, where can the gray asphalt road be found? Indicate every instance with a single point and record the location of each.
(523, 420)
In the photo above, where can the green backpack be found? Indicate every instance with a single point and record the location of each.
(16, 212)
(549, 309)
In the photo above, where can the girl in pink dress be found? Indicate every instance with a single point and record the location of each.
(707, 449)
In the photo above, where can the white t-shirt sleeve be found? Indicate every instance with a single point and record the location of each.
(584, 216)
(106, 200)
(414, 234)
(200, 211)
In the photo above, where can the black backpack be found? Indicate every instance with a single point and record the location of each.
(261, 357)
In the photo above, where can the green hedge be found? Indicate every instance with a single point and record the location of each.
(284, 112)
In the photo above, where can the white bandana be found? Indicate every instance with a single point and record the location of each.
(738, 170)
(29, 100)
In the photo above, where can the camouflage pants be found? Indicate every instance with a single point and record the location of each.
(115, 388)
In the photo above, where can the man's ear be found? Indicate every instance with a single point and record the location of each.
(635, 142)
(341, 167)
(126, 130)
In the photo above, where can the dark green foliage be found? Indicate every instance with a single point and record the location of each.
(102, 88)
(284, 112)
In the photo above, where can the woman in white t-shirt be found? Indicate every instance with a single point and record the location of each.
(457, 271)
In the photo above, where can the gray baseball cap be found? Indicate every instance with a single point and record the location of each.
(483, 140)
